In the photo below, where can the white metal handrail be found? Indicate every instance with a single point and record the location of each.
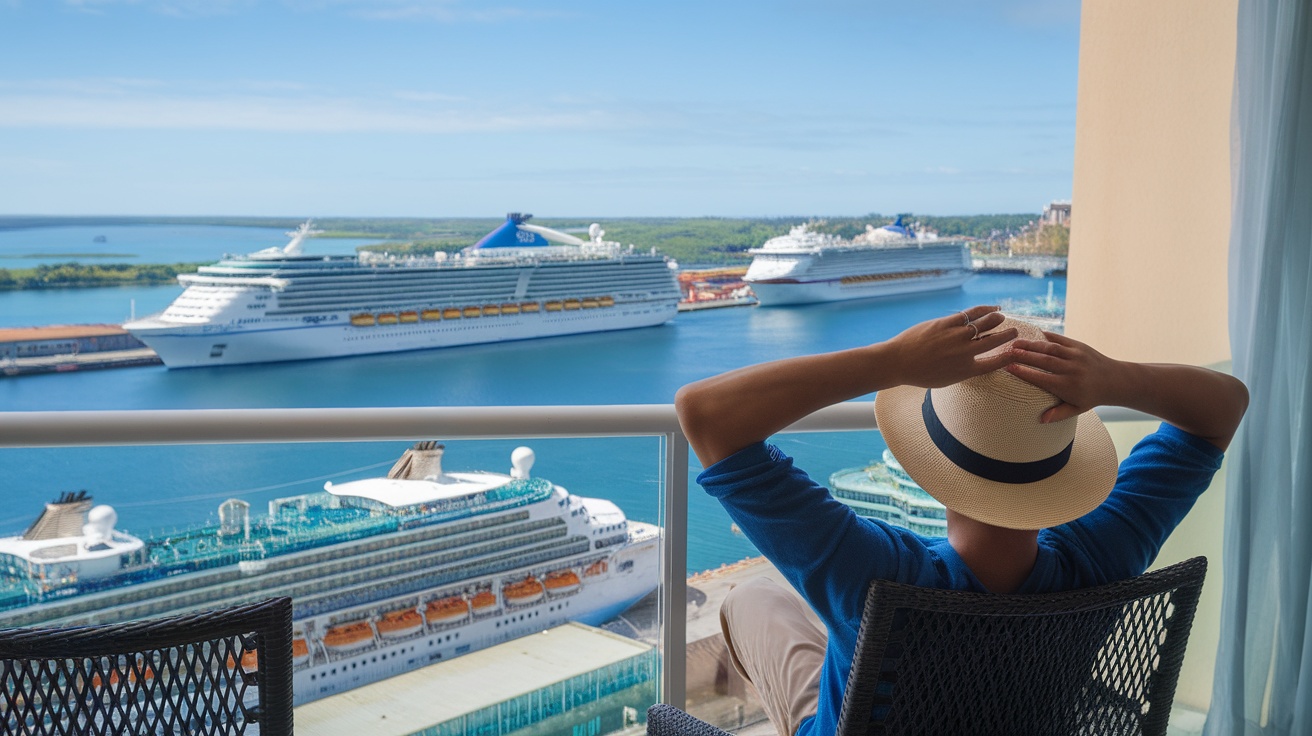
(210, 426)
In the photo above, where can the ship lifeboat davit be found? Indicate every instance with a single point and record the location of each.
(447, 610)
(483, 601)
(300, 651)
(526, 591)
(562, 582)
(595, 568)
(396, 624)
(348, 637)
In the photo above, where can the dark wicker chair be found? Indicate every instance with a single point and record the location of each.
(172, 676)
(1097, 661)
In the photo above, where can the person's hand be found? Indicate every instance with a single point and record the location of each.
(943, 351)
(1075, 373)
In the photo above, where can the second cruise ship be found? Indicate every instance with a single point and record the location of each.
(805, 267)
(520, 281)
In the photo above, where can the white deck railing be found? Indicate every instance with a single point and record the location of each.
(218, 426)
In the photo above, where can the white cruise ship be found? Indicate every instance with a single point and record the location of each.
(883, 490)
(805, 267)
(520, 281)
(386, 575)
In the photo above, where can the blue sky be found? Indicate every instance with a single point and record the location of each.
(434, 108)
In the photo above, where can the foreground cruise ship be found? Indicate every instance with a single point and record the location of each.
(805, 267)
(520, 281)
(386, 574)
(883, 490)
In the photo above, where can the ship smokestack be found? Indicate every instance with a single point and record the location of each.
(421, 462)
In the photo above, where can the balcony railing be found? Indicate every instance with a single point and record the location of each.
(173, 427)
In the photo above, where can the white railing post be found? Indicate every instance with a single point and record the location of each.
(674, 573)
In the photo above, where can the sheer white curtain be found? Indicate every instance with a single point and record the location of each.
(1263, 681)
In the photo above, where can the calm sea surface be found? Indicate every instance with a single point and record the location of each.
(161, 487)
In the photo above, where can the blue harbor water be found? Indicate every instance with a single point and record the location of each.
(155, 488)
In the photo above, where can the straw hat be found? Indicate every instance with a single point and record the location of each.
(978, 447)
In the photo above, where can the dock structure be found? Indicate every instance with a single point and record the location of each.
(61, 348)
(1036, 266)
(571, 679)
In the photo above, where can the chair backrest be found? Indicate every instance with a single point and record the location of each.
(216, 672)
(1101, 660)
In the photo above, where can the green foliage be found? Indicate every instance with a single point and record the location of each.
(975, 227)
(68, 275)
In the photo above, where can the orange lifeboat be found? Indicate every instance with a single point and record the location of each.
(431, 315)
(446, 610)
(572, 304)
(387, 318)
(300, 650)
(473, 312)
(450, 313)
(348, 637)
(250, 660)
(554, 306)
(607, 301)
(396, 624)
(529, 307)
(526, 591)
(483, 601)
(595, 568)
(409, 316)
(591, 304)
(132, 674)
(362, 320)
(491, 310)
(562, 582)
(510, 308)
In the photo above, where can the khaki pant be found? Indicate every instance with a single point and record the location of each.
(777, 645)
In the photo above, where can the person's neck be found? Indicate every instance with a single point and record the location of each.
(1000, 558)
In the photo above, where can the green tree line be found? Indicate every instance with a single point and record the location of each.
(65, 275)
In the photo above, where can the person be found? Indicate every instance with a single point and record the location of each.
(992, 417)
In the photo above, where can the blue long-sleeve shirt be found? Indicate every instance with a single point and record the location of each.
(830, 554)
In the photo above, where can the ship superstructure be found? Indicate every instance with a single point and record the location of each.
(805, 266)
(386, 574)
(520, 281)
(883, 490)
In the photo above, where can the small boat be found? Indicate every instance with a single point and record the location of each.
(348, 637)
(483, 601)
(387, 318)
(396, 624)
(554, 306)
(409, 317)
(526, 591)
(607, 301)
(450, 313)
(300, 651)
(491, 310)
(511, 308)
(362, 320)
(529, 306)
(562, 582)
(446, 610)
(595, 568)
(431, 315)
(473, 312)
(591, 304)
(573, 304)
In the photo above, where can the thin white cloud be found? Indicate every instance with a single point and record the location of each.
(142, 105)
(179, 8)
(442, 11)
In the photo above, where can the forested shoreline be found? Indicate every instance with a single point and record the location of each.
(692, 241)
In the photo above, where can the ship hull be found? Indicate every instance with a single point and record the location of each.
(773, 294)
(269, 341)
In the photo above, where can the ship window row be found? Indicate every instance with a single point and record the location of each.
(363, 291)
(909, 509)
(373, 590)
(422, 568)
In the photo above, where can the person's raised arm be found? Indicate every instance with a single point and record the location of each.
(1202, 402)
(723, 414)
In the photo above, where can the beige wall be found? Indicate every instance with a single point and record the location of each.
(1151, 193)
(1150, 226)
